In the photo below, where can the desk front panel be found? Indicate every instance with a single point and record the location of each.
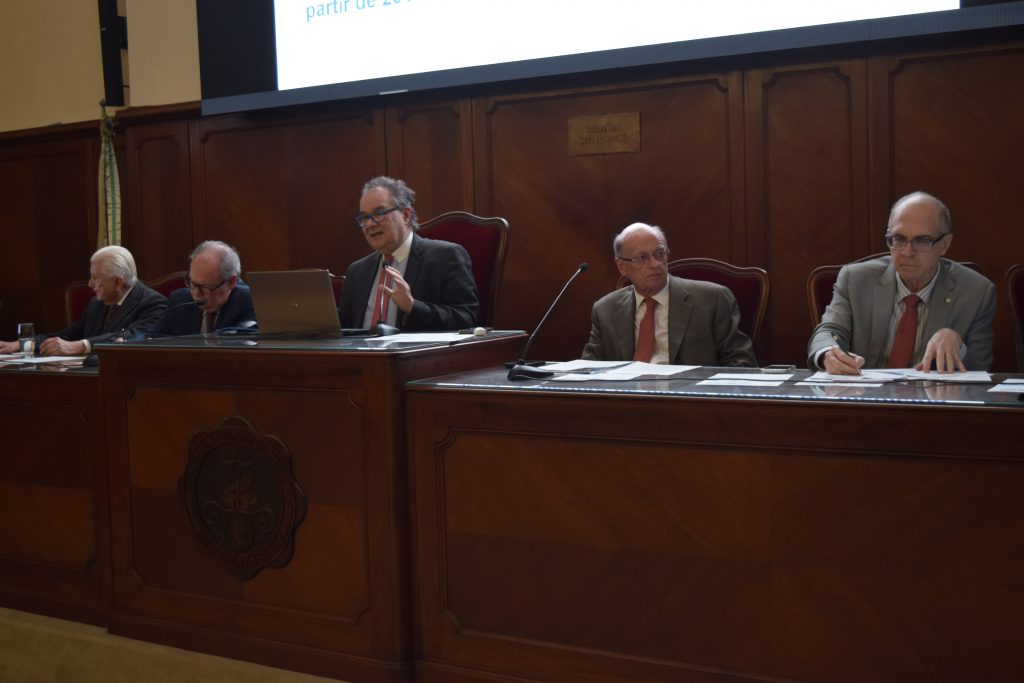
(54, 522)
(338, 605)
(566, 536)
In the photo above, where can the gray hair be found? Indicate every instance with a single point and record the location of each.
(403, 195)
(117, 262)
(230, 263)
(945, 222)
(621, 237)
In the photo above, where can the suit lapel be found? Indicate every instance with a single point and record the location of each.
(412, 270)
(624, 322)
(940, 303)
(679, 310)
(884, 297)
(131, 302)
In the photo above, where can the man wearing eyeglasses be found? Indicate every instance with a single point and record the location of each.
(121, 304)
(661, 318)
(408, 282)
(213, 297)
(910, 309)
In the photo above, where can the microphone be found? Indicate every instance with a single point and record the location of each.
(138, 334)
(520, 369)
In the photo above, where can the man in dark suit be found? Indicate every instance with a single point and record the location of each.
(214, 297)
(662, 318)
(121, 303)
(409, 282)
(911, 309)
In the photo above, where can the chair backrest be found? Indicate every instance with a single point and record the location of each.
(822, 279)
(749, 284)
(1015, 297)
(486, 240)
(77, 296)
(168, 283)
(337, 282)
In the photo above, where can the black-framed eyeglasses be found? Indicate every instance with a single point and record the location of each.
(204, 289)
(364, 219)
(659, 254)
(922, 243)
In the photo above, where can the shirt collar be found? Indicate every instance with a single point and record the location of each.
(661, 297)
(902, 290)
(401, 255)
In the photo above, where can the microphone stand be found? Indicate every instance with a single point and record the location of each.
(520, 369)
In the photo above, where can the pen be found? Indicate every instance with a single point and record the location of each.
(836, 339)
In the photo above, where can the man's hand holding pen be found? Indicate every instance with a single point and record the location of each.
(839, 362)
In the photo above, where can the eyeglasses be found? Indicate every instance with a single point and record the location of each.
(203, 289)
(923, 243)
(659, 254)
(363, 219)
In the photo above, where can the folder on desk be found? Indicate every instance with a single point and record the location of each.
(294, 302)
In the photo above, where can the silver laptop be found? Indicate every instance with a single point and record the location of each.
(294, 302)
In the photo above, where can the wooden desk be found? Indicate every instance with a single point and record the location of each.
(54, 521)
(660, 531)
(310, 498)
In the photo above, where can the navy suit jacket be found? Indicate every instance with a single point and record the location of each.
(181, 318)
(440, 277)
(141, 308)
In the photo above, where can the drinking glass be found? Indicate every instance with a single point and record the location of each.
(27, 338)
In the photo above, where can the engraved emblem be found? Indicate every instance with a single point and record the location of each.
(241, 498)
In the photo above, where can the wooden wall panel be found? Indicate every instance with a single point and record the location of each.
(47, 224)
(157, 197)
(566, 209)
(430, 146)
(807, 186)
(954, 129)
(284, 192)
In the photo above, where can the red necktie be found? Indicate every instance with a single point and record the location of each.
(380, 309)
(902, 353)
(645, 338)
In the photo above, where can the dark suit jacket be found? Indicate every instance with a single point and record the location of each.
(863, 300)
(440, 276)
(703, 326)
(182, 318)
(141, 308)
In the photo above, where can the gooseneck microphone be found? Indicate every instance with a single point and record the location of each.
(520, 369)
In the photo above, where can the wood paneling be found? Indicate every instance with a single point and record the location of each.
(599, 537)
(55, 535)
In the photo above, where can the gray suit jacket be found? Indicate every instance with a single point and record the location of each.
(863, 300)
(703, 326)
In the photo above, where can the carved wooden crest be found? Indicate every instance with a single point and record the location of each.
(241, 498)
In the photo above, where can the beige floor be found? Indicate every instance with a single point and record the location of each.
(35, 649)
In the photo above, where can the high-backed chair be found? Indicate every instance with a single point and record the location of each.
(486, 240)
(749, 284)
(1015, 298)
(76, 297)
(822, 279)
(168, 283)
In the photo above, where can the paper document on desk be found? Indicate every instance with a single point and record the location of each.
(1012, 385)
(613, 371)
(751, 377)
(36, 360)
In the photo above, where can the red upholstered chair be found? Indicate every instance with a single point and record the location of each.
(1015, 298)
(486, 240)
(822, 279)
(168, 283)
(749, 284)
(76, 298)
(337, 282)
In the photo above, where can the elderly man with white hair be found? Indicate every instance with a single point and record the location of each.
(661, 318)
(121, 304)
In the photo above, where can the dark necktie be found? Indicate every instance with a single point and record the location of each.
(112, 311)
(209, 317)
(645, 338)
(902, 353)
(380, 308)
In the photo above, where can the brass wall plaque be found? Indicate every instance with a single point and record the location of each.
(606, 134)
